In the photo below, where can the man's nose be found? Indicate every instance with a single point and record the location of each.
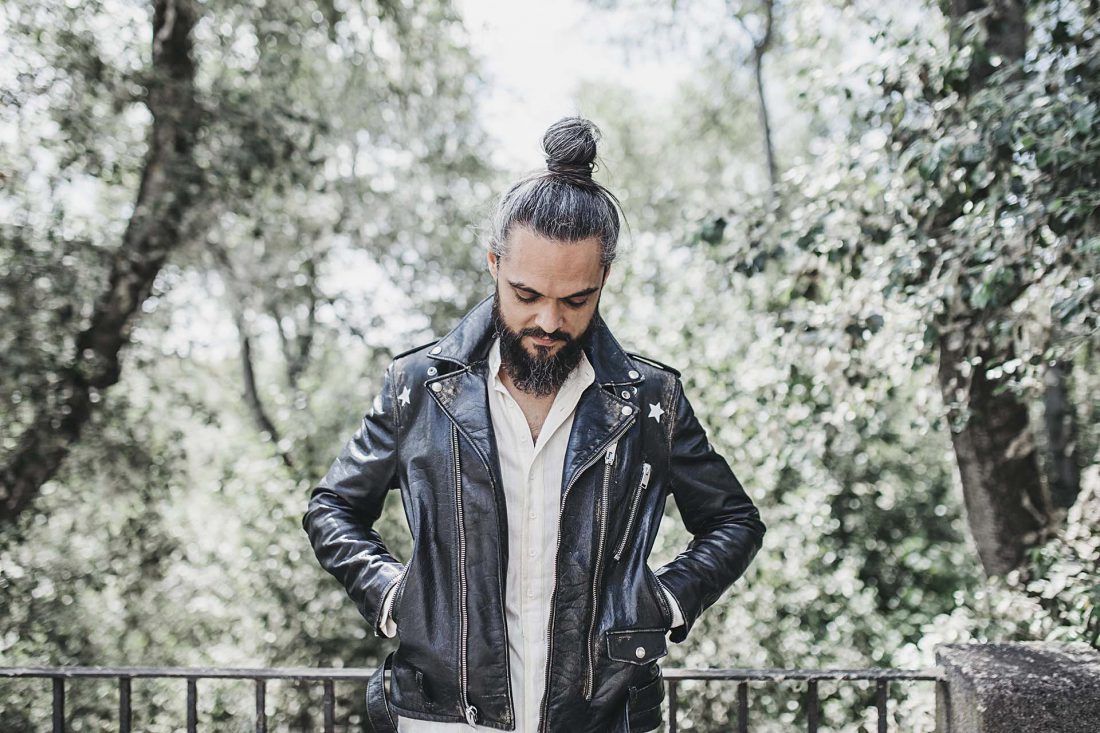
(550, 317)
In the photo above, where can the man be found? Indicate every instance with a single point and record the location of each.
(534, 457)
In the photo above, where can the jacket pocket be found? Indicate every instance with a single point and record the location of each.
(636, 646)
(414, 690)
(635, 507)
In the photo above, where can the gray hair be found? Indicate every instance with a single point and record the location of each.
(562, 202)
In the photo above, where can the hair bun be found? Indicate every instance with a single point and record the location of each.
(570, 146)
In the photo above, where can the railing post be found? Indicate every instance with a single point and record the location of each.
(330, 707)
(58, 705)
(673, 705)
(743, 706)
(261, 705)
(192, 706)
(811, 706)
(880, 703)
(124, 709)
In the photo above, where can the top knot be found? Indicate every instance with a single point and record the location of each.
(570, 147)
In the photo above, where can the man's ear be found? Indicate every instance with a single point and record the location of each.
(492, 259)
(606, 272)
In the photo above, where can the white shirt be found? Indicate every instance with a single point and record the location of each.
(532, 474)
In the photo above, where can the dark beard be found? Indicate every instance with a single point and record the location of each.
(540, 376)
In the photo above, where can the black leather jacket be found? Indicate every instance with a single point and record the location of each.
(429, 434)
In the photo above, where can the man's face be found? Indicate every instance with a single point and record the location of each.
(547, 294)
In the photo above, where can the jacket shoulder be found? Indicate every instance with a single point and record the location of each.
(412, 365)
(408, 357)
(651, 362)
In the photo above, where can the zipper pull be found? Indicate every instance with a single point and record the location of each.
(471, 715)
(610, 457)
(645, 474)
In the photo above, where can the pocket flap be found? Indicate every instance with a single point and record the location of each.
(636, 646)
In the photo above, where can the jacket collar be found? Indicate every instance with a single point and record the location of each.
(469, 342)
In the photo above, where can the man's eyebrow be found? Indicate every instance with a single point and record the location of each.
(520, 286)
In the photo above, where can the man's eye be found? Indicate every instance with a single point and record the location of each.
(576, 304)
(532, 299)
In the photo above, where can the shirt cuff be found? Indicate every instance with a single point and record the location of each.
(388, 626)
(677, 614)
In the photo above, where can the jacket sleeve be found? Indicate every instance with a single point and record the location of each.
(725, 525)
(347, 502)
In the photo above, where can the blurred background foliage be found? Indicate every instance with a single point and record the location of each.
(866, 235)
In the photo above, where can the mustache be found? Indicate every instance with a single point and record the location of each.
(539, 333)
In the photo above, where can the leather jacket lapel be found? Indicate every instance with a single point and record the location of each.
(600, 416)
(463, 396)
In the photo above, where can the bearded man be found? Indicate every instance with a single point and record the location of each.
(533, 457)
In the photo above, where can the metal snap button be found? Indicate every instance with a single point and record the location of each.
(633, 374)
(436, 386)
(437, 349)
(625, 394)
(639, 652)
(432, 371)
(627, 409)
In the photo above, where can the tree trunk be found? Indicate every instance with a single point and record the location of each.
(760, 48)
(1007, 508)
(170, 184)
(997, 458)
(1063, 473)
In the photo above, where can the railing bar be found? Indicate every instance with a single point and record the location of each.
(811, 706)
(673, 705)
(330, 707)
(743, 707)
(58, 705)
(192, 705)
(363, 674)
(880, 703)
(124, 709)
(261, 706)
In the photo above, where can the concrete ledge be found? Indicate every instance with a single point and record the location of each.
(1018, 687)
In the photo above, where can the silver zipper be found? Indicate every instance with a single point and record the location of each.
(635, 503)
(500, 575)
(397, 594)
(469, 710)
(553, 596)
(609, 461)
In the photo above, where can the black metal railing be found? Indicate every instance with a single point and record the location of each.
(811, 702)
(328, 677)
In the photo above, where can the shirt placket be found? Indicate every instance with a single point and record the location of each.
(530, 538)
(539, 493)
